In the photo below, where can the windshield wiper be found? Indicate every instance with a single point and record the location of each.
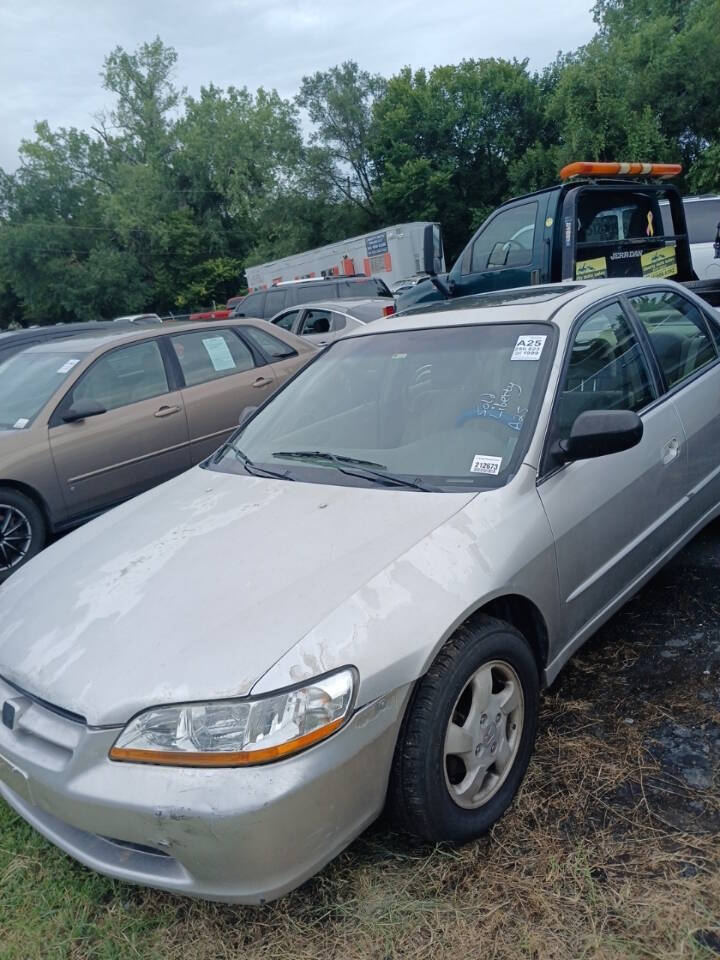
(364, 467)
(256, 470)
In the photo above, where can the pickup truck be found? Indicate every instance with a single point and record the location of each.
(599, 221)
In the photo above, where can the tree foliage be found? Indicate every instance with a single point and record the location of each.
(163, 200)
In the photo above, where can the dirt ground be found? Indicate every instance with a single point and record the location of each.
(612, 849)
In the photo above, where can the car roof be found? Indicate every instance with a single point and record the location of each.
(98, 341)
(339, 306)
(534, 304)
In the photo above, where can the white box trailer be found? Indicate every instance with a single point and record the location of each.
(392, 253)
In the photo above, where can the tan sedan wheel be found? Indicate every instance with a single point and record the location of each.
(22, 530)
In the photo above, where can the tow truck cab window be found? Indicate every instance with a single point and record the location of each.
(506, 241)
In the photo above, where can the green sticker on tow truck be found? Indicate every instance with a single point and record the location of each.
(591, 269)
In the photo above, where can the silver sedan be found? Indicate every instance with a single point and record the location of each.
(357, 600)
(326, 320)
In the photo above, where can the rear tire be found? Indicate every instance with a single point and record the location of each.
(467, 736)
(23, 530)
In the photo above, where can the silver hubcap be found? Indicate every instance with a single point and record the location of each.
(483, 734)
(15, 536)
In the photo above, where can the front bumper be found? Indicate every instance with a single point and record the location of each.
(236, 835)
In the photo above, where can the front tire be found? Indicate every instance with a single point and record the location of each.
(468, 734)
(22, 530)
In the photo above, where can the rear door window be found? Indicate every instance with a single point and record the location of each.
(316, 322)
(210, 355)
(275, 301)
(678, 333)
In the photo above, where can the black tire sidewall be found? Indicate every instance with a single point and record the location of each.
(38, 527)
(444, 819)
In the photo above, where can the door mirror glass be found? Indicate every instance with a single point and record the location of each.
(82, 409)
(597, 433)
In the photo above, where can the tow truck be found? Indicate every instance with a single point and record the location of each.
(601, 220)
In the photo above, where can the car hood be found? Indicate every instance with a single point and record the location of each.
(195, 589)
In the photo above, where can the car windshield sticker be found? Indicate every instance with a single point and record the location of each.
(529, 348)
(590, 269)
(219, 353)
(485, 464)
(399, 356)
(650, 231)
(659, 263)
(20, 424)
(67, 367)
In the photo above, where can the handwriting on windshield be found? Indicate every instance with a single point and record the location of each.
(503, 406)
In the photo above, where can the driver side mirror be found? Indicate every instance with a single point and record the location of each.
(82, 409)
(432, 250)
(597, 433)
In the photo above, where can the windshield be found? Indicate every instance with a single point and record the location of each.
(438, 409)
(27, 381)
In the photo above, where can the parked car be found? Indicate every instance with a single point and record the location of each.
(327, 320)
(141, 319)
(234, 301)
(266, 303)
(407, 283)
(88, 422)
(220, 314)
(214, 688)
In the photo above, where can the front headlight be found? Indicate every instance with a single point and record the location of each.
(238, 733)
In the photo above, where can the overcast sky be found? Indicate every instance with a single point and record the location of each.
(51, 51)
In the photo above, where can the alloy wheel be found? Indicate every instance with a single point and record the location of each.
(15, 536)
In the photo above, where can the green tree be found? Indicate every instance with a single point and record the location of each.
(443, 142)
(339, 102)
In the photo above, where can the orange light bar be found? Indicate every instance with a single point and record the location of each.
(241, 758)
(583, 169)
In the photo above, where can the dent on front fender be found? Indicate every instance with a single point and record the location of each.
(393, 626)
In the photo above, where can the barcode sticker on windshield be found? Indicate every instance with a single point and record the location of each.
(20, 424)
(487, 465)
(528, 348)
(67, 367)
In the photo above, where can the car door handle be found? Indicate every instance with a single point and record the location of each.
(262, 382)
(167, 411)
(670, 450)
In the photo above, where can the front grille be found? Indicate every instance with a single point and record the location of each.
(39, 731)
(60, 711)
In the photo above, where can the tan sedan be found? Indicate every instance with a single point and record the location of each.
(86, 423)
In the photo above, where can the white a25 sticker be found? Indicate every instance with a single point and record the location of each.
(529, 348)
(487, 465)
